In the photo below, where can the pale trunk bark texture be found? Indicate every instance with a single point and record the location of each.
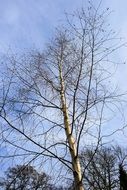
(71, 141)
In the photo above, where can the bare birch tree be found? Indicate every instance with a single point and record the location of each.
(53, 102)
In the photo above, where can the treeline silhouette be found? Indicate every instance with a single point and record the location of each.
(105, 169)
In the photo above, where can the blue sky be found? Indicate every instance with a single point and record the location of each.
(30, 23)
(27, 24)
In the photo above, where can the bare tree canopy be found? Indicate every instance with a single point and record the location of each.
(25, 177)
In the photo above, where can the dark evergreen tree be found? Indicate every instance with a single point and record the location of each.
(123, 178)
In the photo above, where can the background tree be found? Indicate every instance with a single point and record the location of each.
(52, 100)
(25, 178)
(102, 170)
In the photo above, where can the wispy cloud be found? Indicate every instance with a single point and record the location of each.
(26, 23)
